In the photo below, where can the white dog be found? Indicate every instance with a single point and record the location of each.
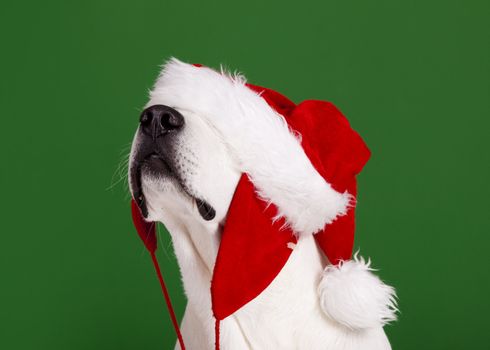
(189, 153)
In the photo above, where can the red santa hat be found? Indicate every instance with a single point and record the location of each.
(299, 164)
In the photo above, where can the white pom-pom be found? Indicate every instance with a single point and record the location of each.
(353, 296)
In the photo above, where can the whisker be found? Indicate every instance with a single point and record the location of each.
(120, 172)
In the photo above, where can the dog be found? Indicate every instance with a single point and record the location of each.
(184, 170)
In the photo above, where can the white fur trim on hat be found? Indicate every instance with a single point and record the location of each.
(353, 296)
(260, 138)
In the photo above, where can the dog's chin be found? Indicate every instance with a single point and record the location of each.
(158, 175)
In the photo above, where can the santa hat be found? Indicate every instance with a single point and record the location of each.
(299, 164)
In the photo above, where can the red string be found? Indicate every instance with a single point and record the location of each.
(216, 333)
(167, 300)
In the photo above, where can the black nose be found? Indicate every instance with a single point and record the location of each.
(158, 120)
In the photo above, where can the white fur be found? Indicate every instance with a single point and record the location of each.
(259, 138)
(353, 296)
(213, 150)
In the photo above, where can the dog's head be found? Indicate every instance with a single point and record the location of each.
(213, 148)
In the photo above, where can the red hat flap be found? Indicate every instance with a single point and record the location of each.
(253, 248)
(252, 252)
(146, 230)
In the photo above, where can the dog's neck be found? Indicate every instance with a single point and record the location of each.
(196, 241)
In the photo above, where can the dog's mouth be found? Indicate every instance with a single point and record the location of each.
(157, 166)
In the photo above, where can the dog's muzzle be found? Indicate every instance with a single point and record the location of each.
(155, 155)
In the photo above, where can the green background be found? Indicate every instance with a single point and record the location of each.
(412, 76)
